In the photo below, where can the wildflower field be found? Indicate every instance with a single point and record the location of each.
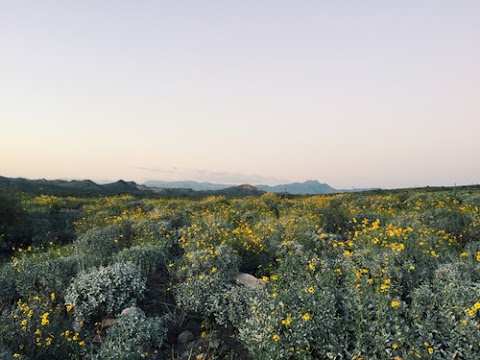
(373, 275)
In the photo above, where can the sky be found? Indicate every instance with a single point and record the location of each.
(350, 93)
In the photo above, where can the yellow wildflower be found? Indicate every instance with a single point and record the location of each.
(45, 320)
(287, 321)
(395, 303)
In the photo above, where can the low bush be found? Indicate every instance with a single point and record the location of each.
(204, 278)
(44, 276)
(148, 259)
(105, 290)
(132, 337)
(102, 242)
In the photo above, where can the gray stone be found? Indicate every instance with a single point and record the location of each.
(132, 310)
(249, 281)
(185, 337)
(108, 321)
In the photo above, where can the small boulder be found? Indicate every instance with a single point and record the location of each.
(132, 310)
(185, 337)
(108, 321)
(249, 281)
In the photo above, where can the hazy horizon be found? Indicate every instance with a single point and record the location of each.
(353, 94)
(144, 182)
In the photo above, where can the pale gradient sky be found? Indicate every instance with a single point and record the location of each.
(352, 93)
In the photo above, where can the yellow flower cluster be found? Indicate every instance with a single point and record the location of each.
(473, 310)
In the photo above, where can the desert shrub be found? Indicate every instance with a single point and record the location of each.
(272, 202)
(152, 232)
(292, 322)
(368, 217)
(295, 316)
(102, 242)
(179, 218)
(473, 200)
(148, 259)
(105, 290)
(237, 305)
(133, 337)
(451, 221)
(6, 354)
(373, 323)
(10, 207)
(46, 275)
(38, 330)
(204, 277)
(444, 316)
(8, 290)
(139, 206)
(334, 217)
(417, 199)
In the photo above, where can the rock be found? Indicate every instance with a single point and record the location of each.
(186, 355)
(249, 281)
(108, 321)
(185, 337)
(132, 310)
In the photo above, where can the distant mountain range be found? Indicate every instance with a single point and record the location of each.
(160, 188)
(89, 188)
(71, 187)
(296, 188)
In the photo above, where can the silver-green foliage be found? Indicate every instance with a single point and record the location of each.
(295, 316)
(46, 275)
(148, 259)
(105, 290)
(7, 283)
(133, 337)
(439, 317)
(102, 242)
(205, 277)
